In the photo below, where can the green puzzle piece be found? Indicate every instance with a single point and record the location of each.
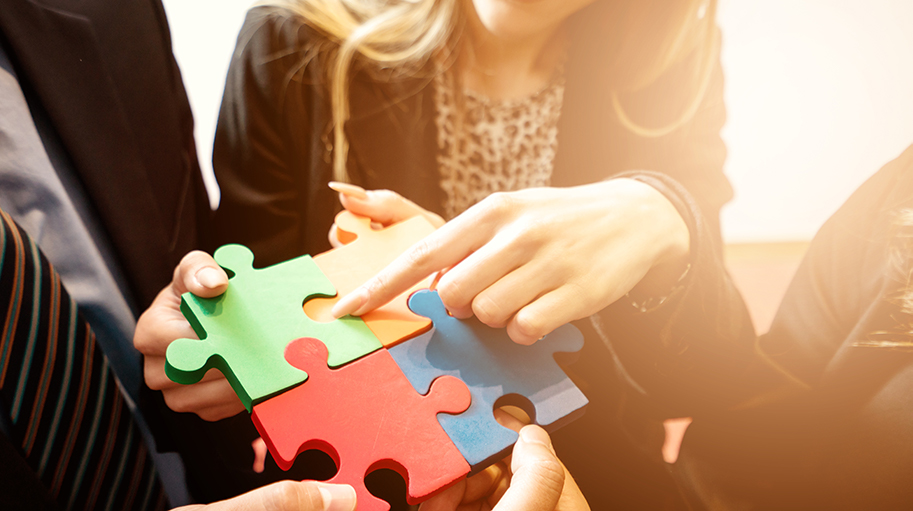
(245, 330)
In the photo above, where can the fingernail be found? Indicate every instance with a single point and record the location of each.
(348, 189)
(209, 278)
(337, 497)
(536, 435)
(350, 304)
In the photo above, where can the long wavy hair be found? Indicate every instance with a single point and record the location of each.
(405, 35)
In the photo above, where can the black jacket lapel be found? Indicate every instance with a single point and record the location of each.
(57, 53)
(393, 140)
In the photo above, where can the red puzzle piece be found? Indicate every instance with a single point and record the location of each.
(366, 416)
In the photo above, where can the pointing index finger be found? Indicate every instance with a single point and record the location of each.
(441, 249)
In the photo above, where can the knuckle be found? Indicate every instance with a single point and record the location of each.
(155, 383)
(377, 285)
(209, 416)
(451, 293)
(386, 196)
(155, 379)
(420, 255)
(176, 402)
(535, 233)
(140, 337)
(193, 259)
(390, 203)
(548, 473)
(530, 326)
(488, 312)
(499, 203)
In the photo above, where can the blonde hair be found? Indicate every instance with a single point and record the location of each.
(404, 35)
(689, 30)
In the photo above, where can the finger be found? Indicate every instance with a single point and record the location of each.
(158, 327)
(538, 476)
(546, 313)
(220, 412)
(156, 379)
(509, 420)
(289, 496)
(441, 249)
(348, 190)
(447, 500)
(387, 207)
(497, 305)
(481, 485)
(209, 400)
(461, 284)
(498, 492)
(199, 273)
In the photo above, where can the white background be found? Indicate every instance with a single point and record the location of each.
(819, 94)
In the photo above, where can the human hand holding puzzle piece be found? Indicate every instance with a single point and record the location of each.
(244, 331)
(375, 409)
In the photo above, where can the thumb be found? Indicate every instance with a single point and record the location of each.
(288, 496)
(200, 274)
(538, 475)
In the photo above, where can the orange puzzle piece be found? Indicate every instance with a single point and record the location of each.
(367, 252)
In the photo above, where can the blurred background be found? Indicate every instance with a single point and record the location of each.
(819, 95)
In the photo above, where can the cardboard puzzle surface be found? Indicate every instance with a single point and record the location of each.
(367, 416)
(243, 332)
(493, 366)
(366, 253)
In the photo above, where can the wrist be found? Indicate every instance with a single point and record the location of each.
(670, 263)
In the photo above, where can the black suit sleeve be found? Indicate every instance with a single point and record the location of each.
(264, 142)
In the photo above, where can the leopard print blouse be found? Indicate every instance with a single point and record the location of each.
(488, 146)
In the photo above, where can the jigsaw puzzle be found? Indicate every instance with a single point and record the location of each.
(366, 416)
(367, 251)
(493, 367)
(244, 332)
(423, 407)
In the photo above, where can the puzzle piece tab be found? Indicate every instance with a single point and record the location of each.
(493, 366)
(366, 416)
(367, 252)
(245, 330)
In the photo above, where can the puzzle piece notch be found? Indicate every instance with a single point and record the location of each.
(244, 331)
(367, 251)
(366, 416)
(492, 366)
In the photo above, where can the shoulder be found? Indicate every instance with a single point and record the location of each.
(277, 47)
(851, 262)
(279, 68)
(279, 29)
(878, 200)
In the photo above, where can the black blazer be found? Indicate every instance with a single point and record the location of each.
(809, 415)
(104, 72)
(272, 145)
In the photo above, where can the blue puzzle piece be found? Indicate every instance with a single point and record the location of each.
(492, 366)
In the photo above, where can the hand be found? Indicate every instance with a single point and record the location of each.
(212, 398)
(287, 496)
(383, 207)
(536, 259)
(536, 481)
